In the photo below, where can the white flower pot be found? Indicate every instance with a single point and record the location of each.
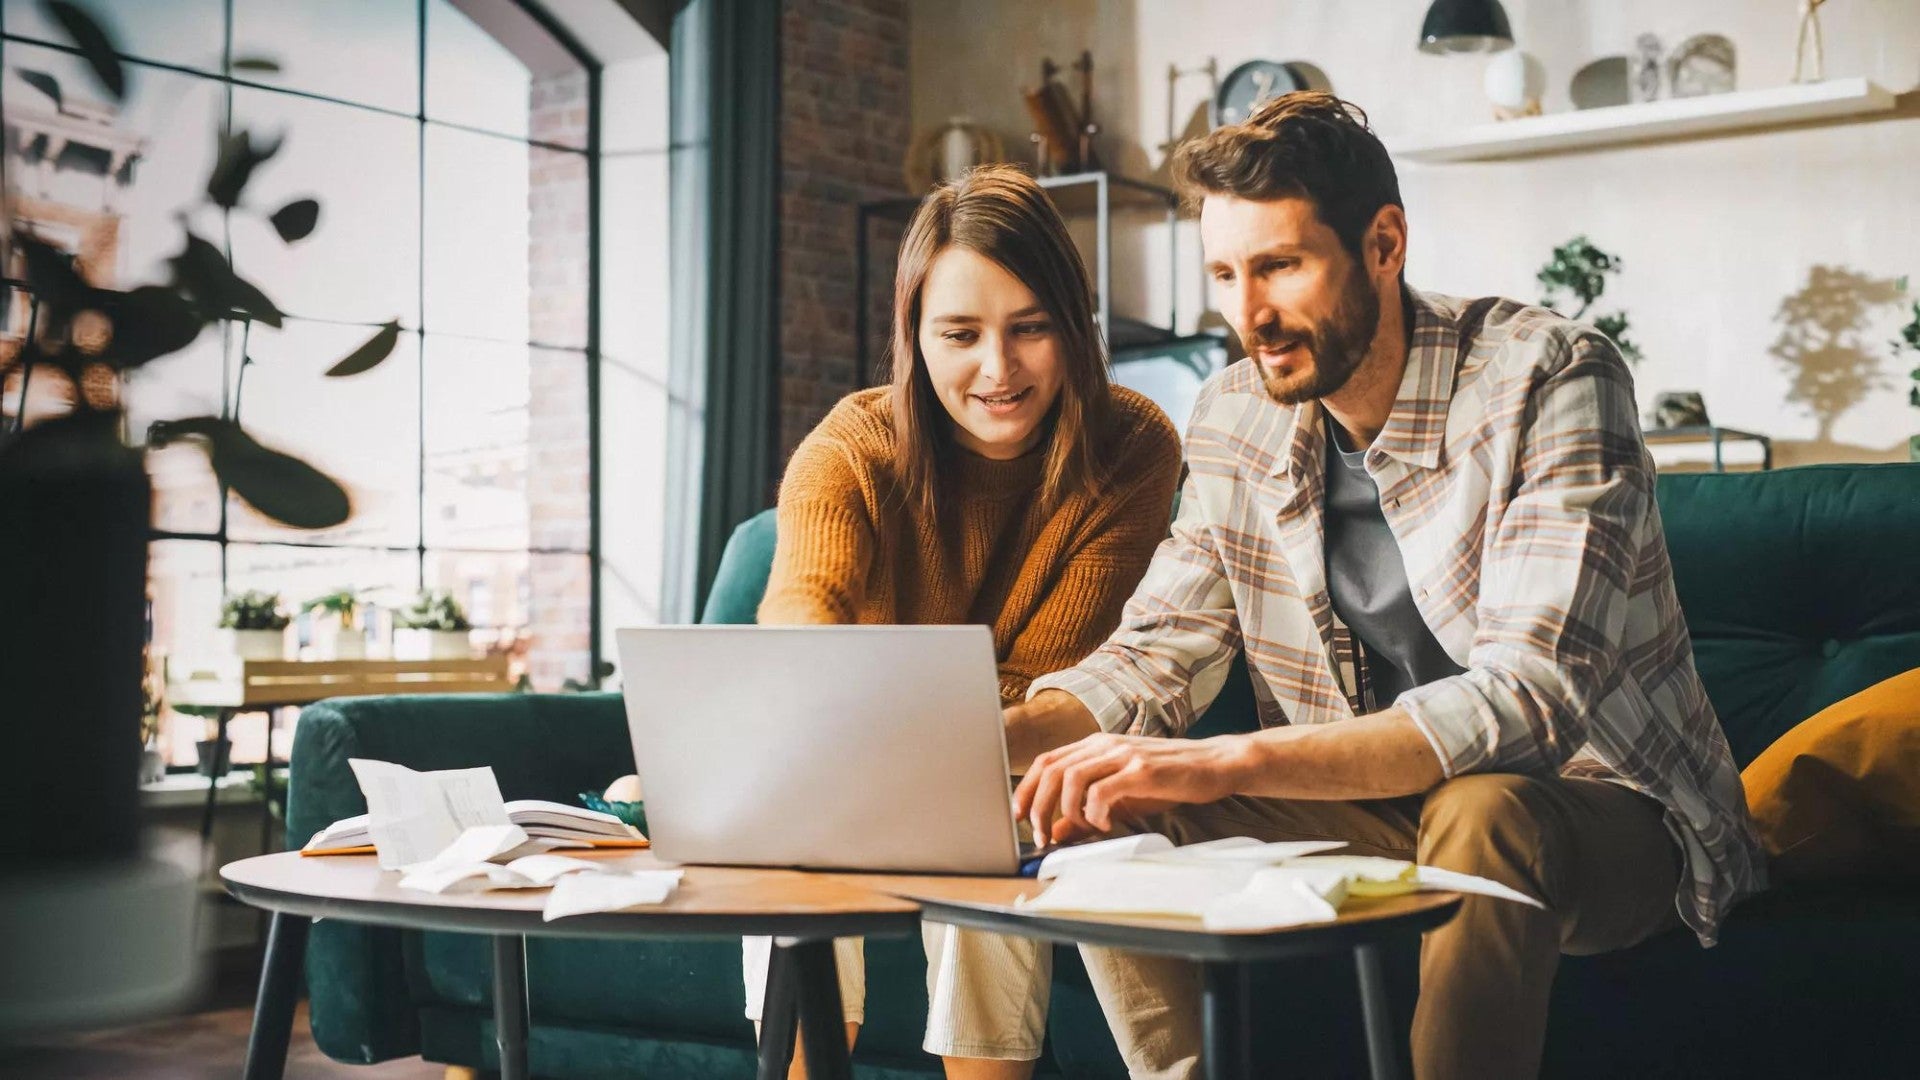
(256, 644)
(449, 645)
(331, 641)
(413, 644)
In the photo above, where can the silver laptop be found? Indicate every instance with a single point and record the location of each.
(829, 747)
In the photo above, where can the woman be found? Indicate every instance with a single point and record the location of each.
(1000, 479)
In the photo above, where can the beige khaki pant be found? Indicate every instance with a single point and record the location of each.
(986, 993)
(1599, 855)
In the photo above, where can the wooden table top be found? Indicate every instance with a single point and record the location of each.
(726, 901)
(990, 904)
(712, 901)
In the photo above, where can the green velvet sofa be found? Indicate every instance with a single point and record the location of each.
(1799, 586)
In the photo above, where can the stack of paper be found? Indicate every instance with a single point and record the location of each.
(1234, 884)
(449, 832)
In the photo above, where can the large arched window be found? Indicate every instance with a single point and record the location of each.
(456, 149)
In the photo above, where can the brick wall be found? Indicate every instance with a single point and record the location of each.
(560, 600)
(843, 137)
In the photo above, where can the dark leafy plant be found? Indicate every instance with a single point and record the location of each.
(601, 673)
(271, 787)
(1909, 341)
(433, 610)
(1578, 271)
(93, 335)
(253, 610)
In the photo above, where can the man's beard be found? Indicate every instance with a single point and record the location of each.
(1337, 346)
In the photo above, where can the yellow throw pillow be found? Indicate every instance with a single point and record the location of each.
(1839, 795)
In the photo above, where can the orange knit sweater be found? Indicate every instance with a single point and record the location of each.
(1051, 585)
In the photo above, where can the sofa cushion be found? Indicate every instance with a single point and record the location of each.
(1839, 795)
(1797, 586)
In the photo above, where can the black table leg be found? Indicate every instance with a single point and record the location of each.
(777, 1017)
(1382, 1060)
(221, 751)
(281, 974)
(823, 1026)
(266, 792)
(510, 1004)
(1225, 1052)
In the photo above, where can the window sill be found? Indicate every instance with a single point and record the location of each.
(190, 789)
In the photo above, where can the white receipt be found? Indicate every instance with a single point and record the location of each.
(585, 894)
(413, 816)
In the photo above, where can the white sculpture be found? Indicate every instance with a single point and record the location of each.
(1809, 28)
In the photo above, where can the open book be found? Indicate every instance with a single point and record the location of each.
(413, 816)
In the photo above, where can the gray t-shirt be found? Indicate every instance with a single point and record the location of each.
(1367, 581)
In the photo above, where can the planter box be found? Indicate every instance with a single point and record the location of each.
(256, 644)
(432, 645)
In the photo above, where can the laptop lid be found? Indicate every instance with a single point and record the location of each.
(830, 747)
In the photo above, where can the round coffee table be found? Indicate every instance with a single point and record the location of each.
(1226, 1020)
(803, 912)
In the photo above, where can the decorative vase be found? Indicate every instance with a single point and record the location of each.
(1645, 69)
(153, 767)
(256, 644)
(948, 152)
(1514, 83)
(211, 757)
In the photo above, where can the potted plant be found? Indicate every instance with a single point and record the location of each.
(338, 634)
(254, 626)
(433, 627)
(77, 520)
(1578, 270)
(1909, 342)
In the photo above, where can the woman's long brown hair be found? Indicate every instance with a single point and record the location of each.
(999, 212)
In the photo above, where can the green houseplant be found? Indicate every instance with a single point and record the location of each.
(433, 627)
(75, 531)
(337, 631)
(1578, 271)
(254, 625)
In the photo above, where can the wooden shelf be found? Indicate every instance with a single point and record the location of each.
(1692, 117)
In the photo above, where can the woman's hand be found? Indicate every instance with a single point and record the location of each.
(1083, 789)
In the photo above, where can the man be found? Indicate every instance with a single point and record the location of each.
(1429, 524)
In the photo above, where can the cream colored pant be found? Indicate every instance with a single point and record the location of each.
(1598, 854)
(986, 993)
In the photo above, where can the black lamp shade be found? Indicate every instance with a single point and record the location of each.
(1465, 26)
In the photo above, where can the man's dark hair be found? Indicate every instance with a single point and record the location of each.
(1306, 144)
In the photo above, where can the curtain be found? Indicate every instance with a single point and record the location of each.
(725, 175)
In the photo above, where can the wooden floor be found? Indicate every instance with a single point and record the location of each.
(205, 1045)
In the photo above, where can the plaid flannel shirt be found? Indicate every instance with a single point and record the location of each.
(1512, 473)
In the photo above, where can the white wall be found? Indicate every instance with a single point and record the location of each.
(1714, 233)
